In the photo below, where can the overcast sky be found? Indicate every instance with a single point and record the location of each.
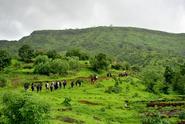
(20, 17)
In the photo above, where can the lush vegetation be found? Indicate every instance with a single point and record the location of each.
(5, 59)
(134, 67)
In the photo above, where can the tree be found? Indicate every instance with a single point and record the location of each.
(3, 81)
(41, 59)
(43, 68)
(168, 75)
(76, 52)
(52, 54)
(23, 109)
(182, 69)
(179, 83)
(73, 63)
(59, 66)
(26, 53)
(153, 78)
(100, 62)
(56, 66)
(5, 59)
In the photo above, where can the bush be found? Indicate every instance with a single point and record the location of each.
(42, 68)
(121, 66)
(113, 89)
(117, 66)
(77, 53)
(23, 109)
(155, 118)
(73, 63)
(99, 85)
(3, 82)
(28, 66)
(41, 59)
(151, 76)
(56, 66)
(136, 68)
(67, 101)
(26, 53)
(179, 85)
(182, 115)
(59, 66)
(116, 88)
(5, 59)
(52, 54)
(100, 62)
(17, 64)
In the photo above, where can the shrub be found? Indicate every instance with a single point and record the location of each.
(56, 66)
(26, 53)
(24, 109)
(116, 88)
(99, 85)
(5, 59)
(182, 115)
(52, 54)
(67, 101)
(74, 63)
(117, 66)
(42, 68)
(179, 85)
(17, 64)
(59, 66)
(151, 76)
(41, 59)
(113, 89)
(76, 52)
(155, 118)
(3, 82)
(100, 62)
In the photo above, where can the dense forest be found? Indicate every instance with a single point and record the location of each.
(97, 75)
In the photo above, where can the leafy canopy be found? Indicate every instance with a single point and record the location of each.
(26, 53)
(5, 59)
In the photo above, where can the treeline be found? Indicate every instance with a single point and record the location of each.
(160, 75)
(51, 62)
(164, 79)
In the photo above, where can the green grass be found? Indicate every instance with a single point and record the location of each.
(110, 108)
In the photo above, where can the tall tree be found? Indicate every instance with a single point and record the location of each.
(100, 62)
(26, 53)
(52, 54)
(183, 69)
(168, 75)
(5, 59)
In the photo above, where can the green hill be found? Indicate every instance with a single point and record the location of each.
(120, 42)
(152, 91)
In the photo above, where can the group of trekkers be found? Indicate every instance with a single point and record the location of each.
(54, 85)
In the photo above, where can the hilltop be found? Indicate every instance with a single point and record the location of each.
(118, 42)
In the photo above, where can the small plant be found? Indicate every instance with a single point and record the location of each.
(108, 106)
(3, 82)
(114, 89)
(182, 115)
(154, 118)
(67, 101)
(99, 85)
(102, 109)
(20, 108)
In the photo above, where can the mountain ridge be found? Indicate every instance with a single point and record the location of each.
(115, 41)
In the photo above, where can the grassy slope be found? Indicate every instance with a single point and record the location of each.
(111, 40)
(111, 109)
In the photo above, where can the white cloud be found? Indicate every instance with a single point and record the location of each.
(21, 17)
